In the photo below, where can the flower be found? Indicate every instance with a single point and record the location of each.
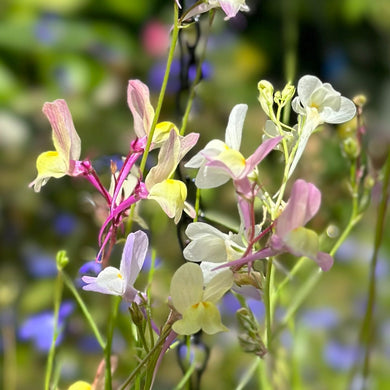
(120, 282)
(64, 160)
(290, 235)
(230, 7)
(196, 303)
(219, 161)
(210, 245)
(169, 193)
(327, 104)
(318, 103)
(138, 99)
(40, 327)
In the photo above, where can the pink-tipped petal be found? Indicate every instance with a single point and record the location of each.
(139, 103)
(304, 202)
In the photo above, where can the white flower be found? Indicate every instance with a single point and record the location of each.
(318, 103)
(120, 281)
(328, 105)
(210, 245)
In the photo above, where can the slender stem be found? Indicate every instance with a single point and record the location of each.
(267, 302)
(110, 334)
(367, 325)
(248, 374)
(84, 309)
(10, 367)
(196, 80)
(175, 34)
(57, 302)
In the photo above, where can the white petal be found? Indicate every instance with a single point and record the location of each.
(306, 86)
(346, 112)
(234, 128)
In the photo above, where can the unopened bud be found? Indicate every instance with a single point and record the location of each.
(288, 92)
(351, 148)
(136, 315)
(360, 100)
(62, 259)
(266, 95)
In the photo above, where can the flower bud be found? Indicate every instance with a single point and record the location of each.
(266, 96)
(288, 92)
(360, 100)
(62, 259)
(250, 339)
(351, 148)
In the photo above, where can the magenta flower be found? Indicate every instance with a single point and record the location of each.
(120, 282)
(290, 235)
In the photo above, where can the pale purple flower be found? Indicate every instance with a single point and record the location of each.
(120, 281)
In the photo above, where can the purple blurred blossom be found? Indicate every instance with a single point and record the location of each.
(40, 327)
(322, 318)
(39, 264)
(340, 356)
(65, 224)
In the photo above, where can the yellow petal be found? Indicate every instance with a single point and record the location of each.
(233, 159)
(49, 164)
(162, 131)
(203, 315)
(186, 286)
(80, 385)
(170, 195)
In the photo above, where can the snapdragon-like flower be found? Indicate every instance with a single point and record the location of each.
(138, 99)
(196, 303)
(230, 7)
(208, 244)
(219, 161)
(64, 160)
(318, 103)
(169, 193)
(291, 235)
(120, 282)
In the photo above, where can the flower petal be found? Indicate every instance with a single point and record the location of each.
(170, 195)
(304, 202)
(65, 138)
(109, 281)
(133, 256)
(186, 286)
(346, 112)
(235, 124)
(218, 286)
(139, 103)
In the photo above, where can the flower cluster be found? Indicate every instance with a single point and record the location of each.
(217, 261)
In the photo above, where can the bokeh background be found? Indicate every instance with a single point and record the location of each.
(85, 51)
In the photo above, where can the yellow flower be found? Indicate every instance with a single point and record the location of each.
(196, 304)
(64, 160)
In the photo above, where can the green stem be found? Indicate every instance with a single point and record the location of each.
(268, 303)
(197, 78)
(248, 374)
(367, 325)
(175, 34)
(57, 302)
(110, 334)
(84, 309)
